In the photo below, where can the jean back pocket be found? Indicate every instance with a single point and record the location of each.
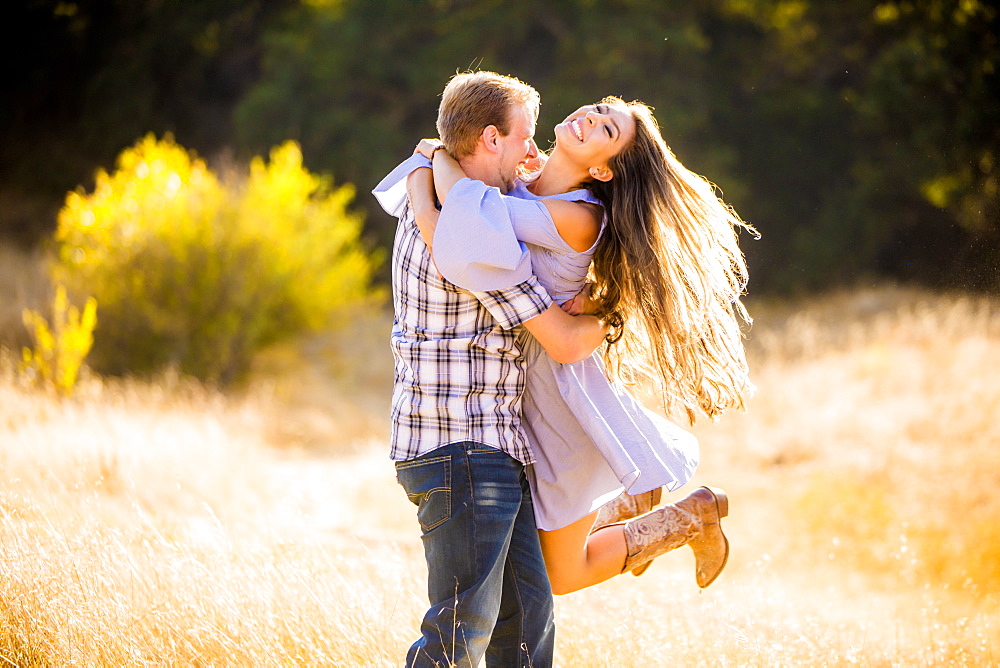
(427, 483)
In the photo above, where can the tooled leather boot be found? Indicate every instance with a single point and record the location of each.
(626, 506)
(694, 521)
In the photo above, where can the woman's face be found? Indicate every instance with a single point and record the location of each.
(594, 134)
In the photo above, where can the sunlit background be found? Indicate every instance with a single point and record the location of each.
(194, 366)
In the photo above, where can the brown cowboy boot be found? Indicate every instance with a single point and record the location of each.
(694, 521)
(626, 506)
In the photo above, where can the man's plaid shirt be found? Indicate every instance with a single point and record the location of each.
(459, 372)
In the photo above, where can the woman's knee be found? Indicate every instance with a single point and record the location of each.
(564, 581)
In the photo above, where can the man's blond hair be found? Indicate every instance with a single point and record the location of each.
(474, 100)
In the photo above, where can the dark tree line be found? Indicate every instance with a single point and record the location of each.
(861, 138)
(83, 80)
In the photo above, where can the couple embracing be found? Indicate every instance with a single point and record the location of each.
(532, 469)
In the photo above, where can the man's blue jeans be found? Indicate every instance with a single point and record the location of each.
(486, 579)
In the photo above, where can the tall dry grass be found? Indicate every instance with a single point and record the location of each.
(158, 524)
(165, 523)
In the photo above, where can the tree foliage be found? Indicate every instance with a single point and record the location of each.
(881, 127)
(860, 138)
(85, 79)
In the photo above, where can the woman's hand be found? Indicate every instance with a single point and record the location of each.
(426, 147)
(581, 303)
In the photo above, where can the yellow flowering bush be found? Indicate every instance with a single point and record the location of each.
(201, 273)
(60, 345)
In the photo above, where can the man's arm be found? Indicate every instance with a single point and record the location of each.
(567, 338)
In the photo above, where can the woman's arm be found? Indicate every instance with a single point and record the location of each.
(447, 172)
(577, 223)
(420, 191)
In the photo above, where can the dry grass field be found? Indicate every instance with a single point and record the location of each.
(166, 523)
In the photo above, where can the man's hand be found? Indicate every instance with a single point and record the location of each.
(581, 303)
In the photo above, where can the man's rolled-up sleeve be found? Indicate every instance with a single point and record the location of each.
(515, 306)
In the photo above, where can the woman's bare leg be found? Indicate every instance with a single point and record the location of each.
(576, 558)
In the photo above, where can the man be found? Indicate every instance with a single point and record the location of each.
(456, 436)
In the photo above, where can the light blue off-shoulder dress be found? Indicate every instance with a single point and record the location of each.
(590, 438)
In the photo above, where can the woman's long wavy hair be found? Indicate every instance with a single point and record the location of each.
(669, 275)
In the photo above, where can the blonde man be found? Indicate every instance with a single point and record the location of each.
(457, 439)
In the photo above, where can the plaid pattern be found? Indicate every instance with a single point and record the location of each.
(459, 372)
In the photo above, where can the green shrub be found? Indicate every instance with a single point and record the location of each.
(198, 273)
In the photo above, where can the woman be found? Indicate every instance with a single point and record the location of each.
(667, 275)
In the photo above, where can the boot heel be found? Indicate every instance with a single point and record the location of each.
(721, 501)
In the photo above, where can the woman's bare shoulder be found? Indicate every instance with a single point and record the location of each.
(578, 223)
